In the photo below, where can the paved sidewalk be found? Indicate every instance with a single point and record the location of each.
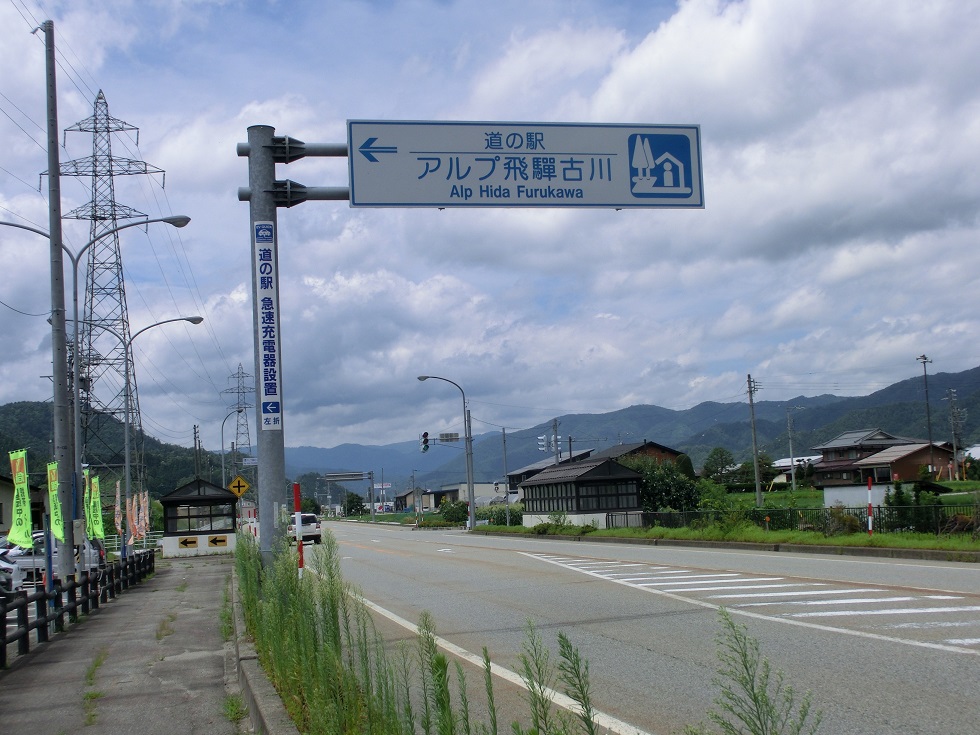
(152, 661)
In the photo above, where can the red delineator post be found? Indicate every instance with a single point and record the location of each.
(869, 511)
(298, 525)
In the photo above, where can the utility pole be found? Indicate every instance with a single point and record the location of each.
(789, 430)
(956, 418)
(554, 440)
(753, 387)
(503, 434)
(63, 454)
(925, 377)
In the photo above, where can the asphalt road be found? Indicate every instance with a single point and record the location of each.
(885, 646)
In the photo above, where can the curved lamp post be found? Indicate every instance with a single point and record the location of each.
(224, 482)
(469, 450)
(127, 350)
(179, 220)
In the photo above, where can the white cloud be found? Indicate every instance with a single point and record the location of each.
(841, 145)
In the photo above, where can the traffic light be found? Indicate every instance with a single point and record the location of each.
(424, 443)
(542, 444)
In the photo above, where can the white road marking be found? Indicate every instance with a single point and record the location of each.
(894, 611)
(608, 722)
(851, 601)
(556, 560)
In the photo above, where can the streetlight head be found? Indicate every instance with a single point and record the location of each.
(194, 319)
(178, 220)
(423, 377)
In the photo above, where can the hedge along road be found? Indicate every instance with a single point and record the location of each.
(884, 645)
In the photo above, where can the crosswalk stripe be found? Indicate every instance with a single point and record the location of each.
(892, 611)
(851, 601)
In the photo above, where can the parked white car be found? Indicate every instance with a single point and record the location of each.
(32, 562)
(309, 528)
(11, 576)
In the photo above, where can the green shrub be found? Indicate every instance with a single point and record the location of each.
(454, 511)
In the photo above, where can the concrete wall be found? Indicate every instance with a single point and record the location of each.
(576, 519)
(199, 544)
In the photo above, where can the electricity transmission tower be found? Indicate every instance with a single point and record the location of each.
(104, 355)
(243, 443)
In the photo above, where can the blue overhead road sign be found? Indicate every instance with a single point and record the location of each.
(508, 164)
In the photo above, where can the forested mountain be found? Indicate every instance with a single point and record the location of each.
(898, 409)
(29, 424)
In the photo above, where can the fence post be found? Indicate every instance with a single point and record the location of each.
(41, 616)
(24, 642)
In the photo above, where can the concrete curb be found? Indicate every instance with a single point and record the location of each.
(265, 708)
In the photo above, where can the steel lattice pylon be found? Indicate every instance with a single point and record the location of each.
(243, 443)
(104, 331)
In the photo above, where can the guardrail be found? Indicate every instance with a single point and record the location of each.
(67, 599)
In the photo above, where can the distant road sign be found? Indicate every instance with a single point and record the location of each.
(497, 164)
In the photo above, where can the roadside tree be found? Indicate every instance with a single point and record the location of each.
(718, 465)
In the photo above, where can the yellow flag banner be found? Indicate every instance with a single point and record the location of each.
(20, 524)
(97, 529)
(87, 504)
(57, 521)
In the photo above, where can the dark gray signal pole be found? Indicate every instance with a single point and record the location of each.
(265, 195)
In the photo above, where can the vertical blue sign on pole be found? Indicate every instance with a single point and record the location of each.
(267, 301)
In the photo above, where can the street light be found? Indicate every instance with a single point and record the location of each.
(469, 450)
(925, 377)
(178, 220)
(224, 483)
(127, 352)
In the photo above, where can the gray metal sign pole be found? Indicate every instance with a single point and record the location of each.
(264, 195)
(271, 489)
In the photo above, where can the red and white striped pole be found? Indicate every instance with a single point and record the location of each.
(298, 525)
(869, 509)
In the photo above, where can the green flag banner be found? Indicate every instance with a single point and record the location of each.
(87, 503)
(57, 521)
(97, 530)
(20, 524)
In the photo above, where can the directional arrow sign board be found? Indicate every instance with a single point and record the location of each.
(494, 164)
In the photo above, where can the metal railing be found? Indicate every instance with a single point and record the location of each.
(65, 601)
(148, 543)
(937, 519)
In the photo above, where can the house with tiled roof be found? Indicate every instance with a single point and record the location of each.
(838, 457)
(584, 491)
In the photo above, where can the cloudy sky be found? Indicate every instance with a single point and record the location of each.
(839, 238)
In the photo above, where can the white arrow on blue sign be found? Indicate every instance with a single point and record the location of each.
(507, 164)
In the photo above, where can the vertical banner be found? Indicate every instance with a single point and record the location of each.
(145, 515)
(57, 521)
(117, 518)
(131, 519)
(267, 300)
(87, 504)
(20, 524)
(96, 496)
